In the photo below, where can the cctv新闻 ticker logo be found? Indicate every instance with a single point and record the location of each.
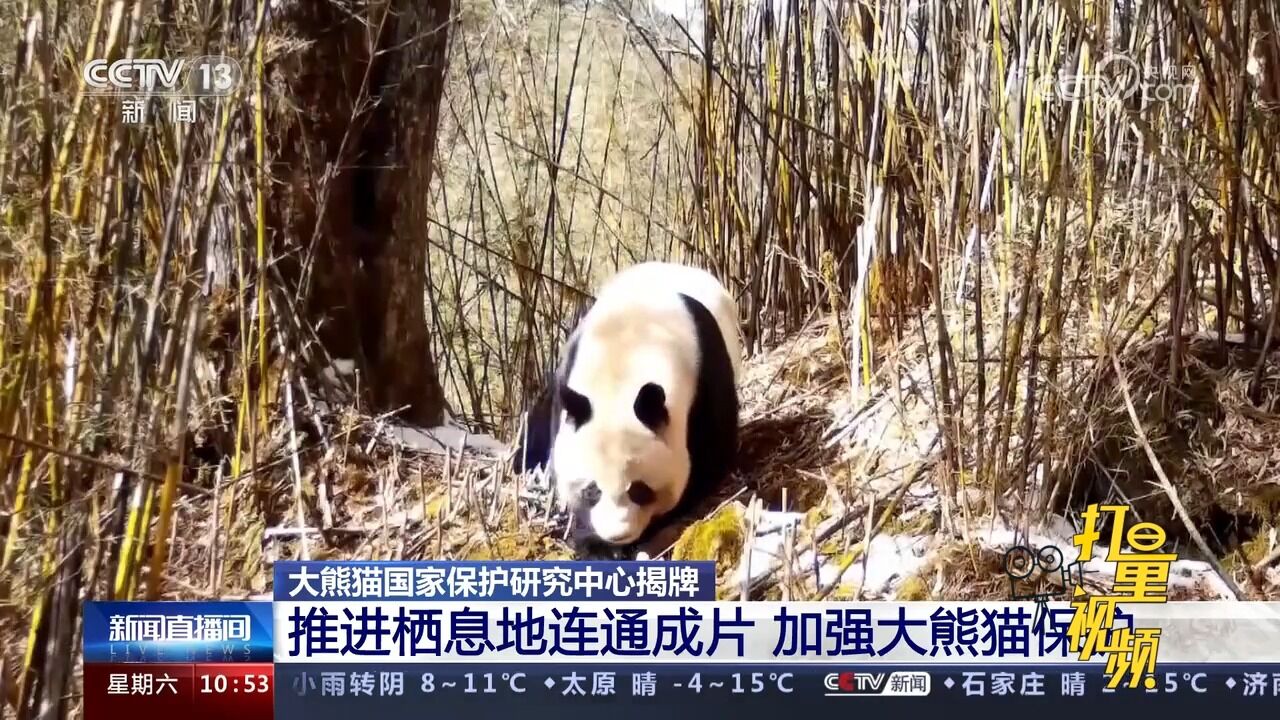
(899, 683)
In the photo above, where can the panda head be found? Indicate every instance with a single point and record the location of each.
(616, 467)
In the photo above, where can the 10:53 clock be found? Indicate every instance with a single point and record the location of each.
(220, 683)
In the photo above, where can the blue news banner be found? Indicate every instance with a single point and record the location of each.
(647, 639)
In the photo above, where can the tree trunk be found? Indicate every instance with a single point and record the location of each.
(354, 117)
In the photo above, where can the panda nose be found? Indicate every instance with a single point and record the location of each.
(590, 495)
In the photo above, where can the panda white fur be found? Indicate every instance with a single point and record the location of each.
(642, 418)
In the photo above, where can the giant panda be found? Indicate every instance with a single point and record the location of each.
(641, 418)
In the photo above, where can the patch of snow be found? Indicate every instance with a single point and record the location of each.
(340, 368)
(1211, 335)
(69, 376)
(774, 522)
(888, 560)
(452, 422)
(1057, 531)
(764, 550)
(892, 558)
(1002, 538)
(689, 15)
(440, 439)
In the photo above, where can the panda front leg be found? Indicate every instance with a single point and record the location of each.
(596, 550)
(586, 544)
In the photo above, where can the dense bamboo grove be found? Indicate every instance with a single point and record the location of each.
(932, 175)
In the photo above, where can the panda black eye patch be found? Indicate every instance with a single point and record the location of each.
(651, 406)
(641, 494)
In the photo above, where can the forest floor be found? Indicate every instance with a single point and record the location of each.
(838, 494)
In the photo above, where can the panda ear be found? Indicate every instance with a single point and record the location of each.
(651, 406)
(576, 405)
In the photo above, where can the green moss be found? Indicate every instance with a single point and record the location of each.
(844, 592)
(812, 518)
(846, 558)
(435, 506)
(517, 546)
(718, 537)
(920, 524)
(1233, 561)
(796, 373)
(1256, 549)
(1264, 501)
(250, 545)
(913, 587)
